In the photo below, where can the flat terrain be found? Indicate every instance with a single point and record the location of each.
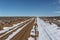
(55, 20)
(49, 28)
(29, 28)
(16, 28)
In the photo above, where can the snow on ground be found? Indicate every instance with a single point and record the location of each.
(58, 20)
(18, 30)
(54, 19)
(31, 38)
(8, 28)
(32, 31)
(9, 31)
(47, 31)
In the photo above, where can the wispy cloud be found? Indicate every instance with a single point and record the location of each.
(56, 2)
(57, 12)
(57, 7)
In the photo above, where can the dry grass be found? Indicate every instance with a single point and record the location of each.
(51, 20)
(9, 21)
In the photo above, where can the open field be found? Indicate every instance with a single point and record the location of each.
(29, 28)
(9, 21)
(55, 20)
(13, 27)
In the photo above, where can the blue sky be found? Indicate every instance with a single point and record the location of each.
(29, 7)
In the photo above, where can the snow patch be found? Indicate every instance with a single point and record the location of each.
(32, 32)
(8, 28)
(31, 38)
(14, 33)
(47, 31)
(58, 20)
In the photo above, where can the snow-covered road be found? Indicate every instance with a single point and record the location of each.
(47, 31)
